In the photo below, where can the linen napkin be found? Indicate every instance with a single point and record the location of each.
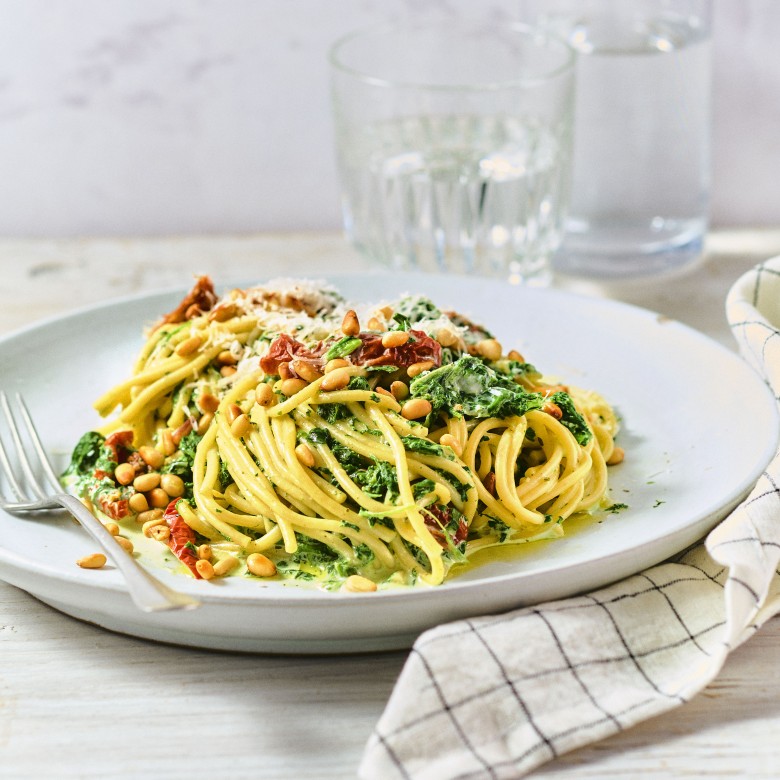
(494, 697)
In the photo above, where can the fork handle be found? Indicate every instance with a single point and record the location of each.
(148, 593)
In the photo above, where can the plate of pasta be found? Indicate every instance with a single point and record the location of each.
(336, 465)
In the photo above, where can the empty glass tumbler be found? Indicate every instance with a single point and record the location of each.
(641, 170)
(454, 145)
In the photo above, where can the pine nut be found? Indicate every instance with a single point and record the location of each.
(167, 444)
(138, 503)
(387, 312)
(417, 368)
(552, 409)
(160, 532)
(124, 473)
(394, 338)
(151, 514)
(207, 402)
(192, 344)
(292, 386)
(226, 358)
(260, 566)
(374, 324)
(223, 313)
(617, 456)
(241, 427)
(337, 379)
(112, 528)
(284, 371)
(264, 395)
(490, 349)
(358, 584)
(516, 356)
(233, 411)
(306, 370)
(332, 365)
(93, 561)
(143, 483)
(172, 484)
(448, 440)
(304, 455)
(225, 565)
(227, 371)
(149, 524)
(416, 408)
(204, 552)
(400, 390)
(204, 422)
(205, 569)
(350, 326)
(151, 457)
(446, 337)
(124, 543)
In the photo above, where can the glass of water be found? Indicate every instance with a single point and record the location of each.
(641, 170)
(454, 145)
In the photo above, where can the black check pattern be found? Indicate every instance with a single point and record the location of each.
(494, 697)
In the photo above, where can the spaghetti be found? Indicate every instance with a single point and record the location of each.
(266, 432)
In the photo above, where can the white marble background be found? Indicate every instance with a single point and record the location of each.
(155, 117)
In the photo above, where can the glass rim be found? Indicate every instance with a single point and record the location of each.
(528, 31)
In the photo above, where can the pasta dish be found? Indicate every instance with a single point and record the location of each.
(279, 431)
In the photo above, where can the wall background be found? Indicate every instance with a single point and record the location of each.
(157, 117)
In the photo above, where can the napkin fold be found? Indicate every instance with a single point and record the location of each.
(494, 697)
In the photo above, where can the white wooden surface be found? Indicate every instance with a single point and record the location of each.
(79, 702)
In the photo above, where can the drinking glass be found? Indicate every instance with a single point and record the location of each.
(641, 170)
(453, 144)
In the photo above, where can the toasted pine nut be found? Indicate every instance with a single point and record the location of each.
(292, 386)
(305, 370)
(416, 408)
(617, 456)
(160, 532)
(208, 402)
(387, 312)
(223, 313)
(227, 371)
(225, 565)
(446, 337)
(241, 426)
(513, 354)
(284, 371)
(304, 455)
(181, 432)
(204, 552)
(124, 473)
(395, 338)
(150, 514)
(172, 484)
(205, 569)
(204, 422)
(260, 566)
(233, 411)
(264, 395)
(350, 326)
(399, 389)
(552, 409)
(332, 365)
(374, 324)
(417, 368)
(337, 379)
(227, 358)
(448, 440)
(151, 457)
(124, 543)
(358, 584)
(112, 528)
(190, 345)
(167, 444)
(490, 349)
(93, 561)
(383, 391)
(138, 503)
(143, 483)
(149, 524)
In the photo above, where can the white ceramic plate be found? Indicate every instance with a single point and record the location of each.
(689, 460)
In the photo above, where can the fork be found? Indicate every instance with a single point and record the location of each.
(38, 488)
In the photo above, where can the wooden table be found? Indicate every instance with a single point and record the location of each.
(79, 702)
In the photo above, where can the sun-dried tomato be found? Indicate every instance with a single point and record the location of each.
(182, 540)
(437, 518)
(419, 348)
(201, 298)
(284, 349)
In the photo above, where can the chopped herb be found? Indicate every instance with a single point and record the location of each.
(572, 419)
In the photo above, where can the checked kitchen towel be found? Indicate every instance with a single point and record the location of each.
(494, 697)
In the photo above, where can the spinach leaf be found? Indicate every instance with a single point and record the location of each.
(423, 446)
(572, 419)
(85, 454)
(345, 346)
